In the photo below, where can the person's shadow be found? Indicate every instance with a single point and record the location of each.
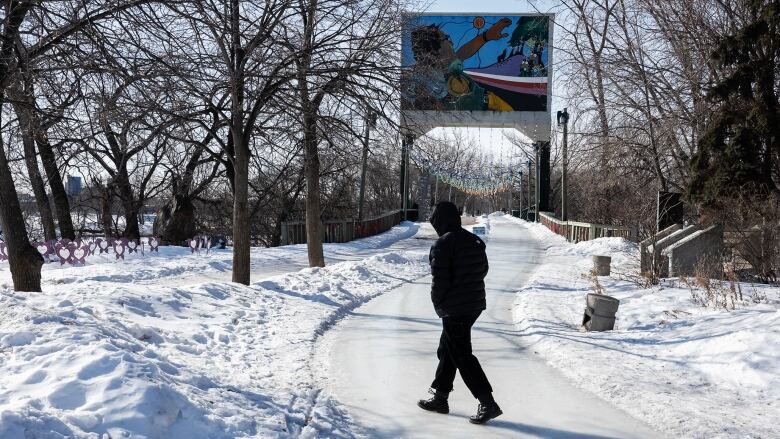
(537, 431)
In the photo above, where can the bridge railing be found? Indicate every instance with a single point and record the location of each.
(337, 231)
(575, 231)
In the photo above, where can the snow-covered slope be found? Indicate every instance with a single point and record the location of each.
(687, 370)
(177, 265)
(108, 350)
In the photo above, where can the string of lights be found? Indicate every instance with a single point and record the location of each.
(481, 179)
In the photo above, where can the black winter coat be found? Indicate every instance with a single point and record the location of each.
(459, 266)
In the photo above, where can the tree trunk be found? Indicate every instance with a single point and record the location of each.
(58, 194)
(241, 238)
(122, 183)
(24, 260)
(105, 211)
(31, 159)
(39, 189)
(175, 222)
(313, 220)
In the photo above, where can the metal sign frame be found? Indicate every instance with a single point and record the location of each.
(534, 124)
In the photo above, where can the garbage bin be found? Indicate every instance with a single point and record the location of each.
(600, 312)
(602, 265)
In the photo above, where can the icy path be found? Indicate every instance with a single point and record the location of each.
(381, 359)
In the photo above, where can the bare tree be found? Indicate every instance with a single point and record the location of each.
(344, 56)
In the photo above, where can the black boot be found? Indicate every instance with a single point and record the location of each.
(436, 404)
(487, 410)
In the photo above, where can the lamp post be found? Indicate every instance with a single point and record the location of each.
(370, 121)
(520, 204)
(537, 182)
(406, 150)
(528, 212)
(563, 119)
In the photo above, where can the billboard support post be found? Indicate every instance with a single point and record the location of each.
(544, 176)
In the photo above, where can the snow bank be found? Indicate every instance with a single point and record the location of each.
(99, 354)
(686, 370)
(172, 264)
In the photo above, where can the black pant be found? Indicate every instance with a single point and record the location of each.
(455, 354)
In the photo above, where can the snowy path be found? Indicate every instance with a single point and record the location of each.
(381, 359)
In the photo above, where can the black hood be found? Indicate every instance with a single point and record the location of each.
(445, 218)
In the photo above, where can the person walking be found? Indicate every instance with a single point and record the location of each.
(459, 265)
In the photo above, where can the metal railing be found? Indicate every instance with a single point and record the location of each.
(575, 231)
(336, 231)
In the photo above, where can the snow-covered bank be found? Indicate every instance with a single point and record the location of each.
(173, 265)
(98, 354)
(687, 370)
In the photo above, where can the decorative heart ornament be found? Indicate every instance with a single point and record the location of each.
(80, 254)
(42, 248)
(119, 249)
(103, 245)
(64, 252)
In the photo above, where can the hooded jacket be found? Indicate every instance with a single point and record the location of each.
(458, 264)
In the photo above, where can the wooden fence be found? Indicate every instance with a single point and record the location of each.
(575, 231)
(294, 232)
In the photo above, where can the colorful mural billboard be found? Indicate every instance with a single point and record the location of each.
(475, 62)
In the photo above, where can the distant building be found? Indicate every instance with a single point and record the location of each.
(74, 185)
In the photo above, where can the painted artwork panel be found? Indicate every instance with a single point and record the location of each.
(475, 62)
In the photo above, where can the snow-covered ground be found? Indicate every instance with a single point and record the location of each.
(151, 348)
(163, 346)
(687, 370)
(178, 265)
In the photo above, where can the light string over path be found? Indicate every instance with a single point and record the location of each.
(482, 175)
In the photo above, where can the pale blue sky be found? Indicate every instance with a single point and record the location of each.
(487, 6)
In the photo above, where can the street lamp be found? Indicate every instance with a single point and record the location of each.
(563, 119)
(528, 212)
(370, 122)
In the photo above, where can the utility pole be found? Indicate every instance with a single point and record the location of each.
(537, 186)
(528, 212)
(370, 121)
(406, 147)
(520, 204)
(563, 119)
(436, 191)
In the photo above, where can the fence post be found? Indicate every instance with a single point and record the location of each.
(592, 232)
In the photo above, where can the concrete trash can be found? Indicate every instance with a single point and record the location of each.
(600, 312)
(602, 265)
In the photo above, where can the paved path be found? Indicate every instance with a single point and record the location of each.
(381, 359)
